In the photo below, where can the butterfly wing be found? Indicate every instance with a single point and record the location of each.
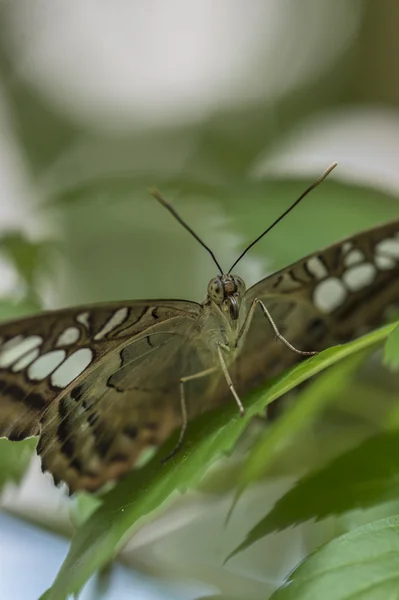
(329, 297)
(98, 383)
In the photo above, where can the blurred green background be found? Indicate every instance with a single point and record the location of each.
(231, 109)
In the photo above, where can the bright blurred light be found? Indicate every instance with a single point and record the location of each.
(364, 142)
(140, 64)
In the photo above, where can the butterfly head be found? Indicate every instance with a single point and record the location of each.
(227, 292)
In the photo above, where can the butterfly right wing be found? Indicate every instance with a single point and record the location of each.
(326, 298)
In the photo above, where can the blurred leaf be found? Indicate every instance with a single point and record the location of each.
(145, 490)
(249, 206)
(307, 405)
(28, 257)
(15, 459)
(326, 388)
(360, 478)
(10, 309)
(334, 210)
(391, 350)
(363, 564)
(226, 597)
(130, 231)
(83, 507)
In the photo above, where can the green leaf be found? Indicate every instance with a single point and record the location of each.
(15, 459)
(348, 209)
(360, 478)
(145, 490)
(305, 408)
(29, 258)
(83, 508)
(10, 309)
(362, 564)
(391, 350)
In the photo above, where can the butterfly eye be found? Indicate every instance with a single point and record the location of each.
(215, 290)
(241, 287)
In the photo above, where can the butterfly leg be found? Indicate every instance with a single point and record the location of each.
(183, 406)
(268, 316)
(226, 374)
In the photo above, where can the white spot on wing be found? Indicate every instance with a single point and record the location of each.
(69, 336)
(84, 319)
(117, 318)
(329, 294)
(23, 362)
(384, 262)
(359, 277)
(390, 247)
(11, 343)
(316, 267)
(346, 246)
(354, 257)
(45, 364)
(15, 348)
(72, 367)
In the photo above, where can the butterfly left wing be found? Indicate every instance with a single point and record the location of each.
(329, 297)
(98, 383)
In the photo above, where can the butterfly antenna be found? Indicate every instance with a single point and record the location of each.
(301, 197)
(157, 195)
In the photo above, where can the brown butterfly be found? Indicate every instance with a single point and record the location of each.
(99, 383)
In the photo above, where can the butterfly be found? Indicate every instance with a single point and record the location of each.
(99, 383)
